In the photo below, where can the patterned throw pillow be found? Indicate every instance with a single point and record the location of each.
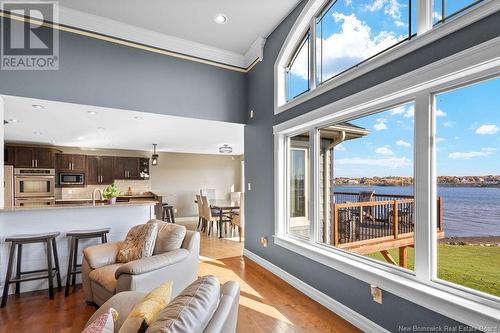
(143, 314)
(139, 243)
(105, 323)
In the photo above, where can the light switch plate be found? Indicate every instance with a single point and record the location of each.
(263, 241)
(376, 294)
(251, 113)
(249, 186)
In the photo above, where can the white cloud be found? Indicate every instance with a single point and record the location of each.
(354, 43)
(339, 147)
(448, 123)
(439, 139)
(403, 143)
(390, 162)
(487, 151)
(487, 129)
(348, 3)
(440, 113)
(406, 111)
(384, 151)
(380, 124)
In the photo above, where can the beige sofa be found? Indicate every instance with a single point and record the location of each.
(102, 277)
(204, 306)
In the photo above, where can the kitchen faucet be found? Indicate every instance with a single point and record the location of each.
(93, 195)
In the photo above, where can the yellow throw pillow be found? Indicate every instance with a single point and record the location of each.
(144, 312)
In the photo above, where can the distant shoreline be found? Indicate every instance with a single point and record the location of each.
(476, 240)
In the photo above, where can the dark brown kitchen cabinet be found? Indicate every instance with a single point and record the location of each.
(99, 170)
(126, 168)
(34, 157)
(71, 163)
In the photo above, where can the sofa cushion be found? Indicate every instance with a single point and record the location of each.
(105, 276)
(146, 310)
(139, 243)
(191, 310)
(170, 236)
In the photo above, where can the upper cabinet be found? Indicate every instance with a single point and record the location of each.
(32, 157)
(126, 168)
(71, 163)
(99, 170)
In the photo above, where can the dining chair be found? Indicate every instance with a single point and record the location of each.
(235, 196)
(209, 193)
(199, 203)
(238, 218)
(207, 214)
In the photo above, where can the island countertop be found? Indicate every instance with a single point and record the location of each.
(81, 204)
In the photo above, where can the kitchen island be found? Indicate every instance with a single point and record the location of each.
(119, 217)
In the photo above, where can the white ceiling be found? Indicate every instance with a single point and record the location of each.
(71, 125)
(190, 20)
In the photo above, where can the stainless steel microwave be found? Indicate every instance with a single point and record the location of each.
(71, 178)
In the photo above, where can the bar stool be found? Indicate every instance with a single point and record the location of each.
(73, 266)
(168, 213)
(50, 240)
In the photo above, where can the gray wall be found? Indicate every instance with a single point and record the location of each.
(259, 213)
(99, 73)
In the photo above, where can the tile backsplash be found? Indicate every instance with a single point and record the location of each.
(123, 186)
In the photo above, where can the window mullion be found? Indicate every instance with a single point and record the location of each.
(424, 16)
(312, 52)
(424, 188)
(314, 188)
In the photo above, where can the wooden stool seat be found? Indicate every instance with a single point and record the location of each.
(31, 238)
(73, 266)
(18, 240)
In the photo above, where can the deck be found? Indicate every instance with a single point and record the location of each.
(376, 223)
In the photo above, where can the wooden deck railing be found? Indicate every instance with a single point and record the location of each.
(386, 217)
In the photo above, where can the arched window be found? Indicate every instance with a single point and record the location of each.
(335, 38)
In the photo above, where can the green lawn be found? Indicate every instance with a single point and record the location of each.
(476, 267)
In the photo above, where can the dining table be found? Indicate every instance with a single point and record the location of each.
(222, 206)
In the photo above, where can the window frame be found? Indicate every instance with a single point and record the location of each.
(306, 40)
(460, 303)
(427, 32)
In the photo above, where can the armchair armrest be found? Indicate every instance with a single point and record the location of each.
(101, 255)
(145, 265)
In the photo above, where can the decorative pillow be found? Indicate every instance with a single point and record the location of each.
(105, 323)
(170, 236)
(192, 310)
(139, 243)
(147, 309)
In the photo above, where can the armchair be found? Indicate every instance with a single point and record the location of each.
(102, 276)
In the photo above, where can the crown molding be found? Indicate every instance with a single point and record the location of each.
(109, 27)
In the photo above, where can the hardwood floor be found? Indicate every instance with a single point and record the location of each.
(267, 303)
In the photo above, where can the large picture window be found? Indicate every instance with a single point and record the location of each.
(366, 200)
(297, 72)
(468, 181)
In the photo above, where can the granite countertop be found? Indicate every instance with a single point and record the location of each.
(82, 203)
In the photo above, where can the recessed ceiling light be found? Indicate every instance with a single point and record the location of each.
(12, 120)
(92, 112)
(220, 19)
(225, 149)
(138, 118)
(37, 133)
(101, 129)
(80, 138)
(38, 106)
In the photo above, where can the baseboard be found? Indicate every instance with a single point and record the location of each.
(338, 308)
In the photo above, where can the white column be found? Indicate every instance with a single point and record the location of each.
(424, 16)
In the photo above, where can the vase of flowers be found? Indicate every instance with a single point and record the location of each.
(110, 194)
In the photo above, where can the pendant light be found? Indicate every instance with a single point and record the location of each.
(154, 157)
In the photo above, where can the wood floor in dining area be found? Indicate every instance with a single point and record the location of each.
(267, 303)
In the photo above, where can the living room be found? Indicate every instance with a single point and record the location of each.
(221, 166)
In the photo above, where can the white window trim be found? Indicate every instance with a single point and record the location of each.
(472, 308)
(426, 34)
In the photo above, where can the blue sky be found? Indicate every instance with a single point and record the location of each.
(467, 136)
(353, 30)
